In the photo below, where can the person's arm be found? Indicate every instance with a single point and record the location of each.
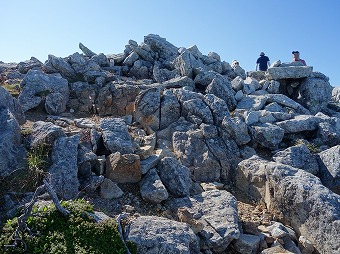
(256, 66)
(268, 64)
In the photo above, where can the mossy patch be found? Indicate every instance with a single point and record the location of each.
(76, 233)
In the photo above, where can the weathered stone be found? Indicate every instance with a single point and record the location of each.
(299, 123)
(87, 52)
(57, 64)
(101, 60)
(160, 45)
(170, 109)
(110, 190)
(219, 88)
(174, 176)
(64, 171)
(45, 133)
(55, 103)
(267, 134)
(330, 168)
(36, 85)
(286, 101)
(293, 72)
(237, 129)
(186, 62)
(237, 83)
(152, 189)
(179, 82)
(314, 94)
(9, 142)
(123, 168)
(82, 96)
(162, 236)
(147, 108)
(246, 243)
(217, 209)
(252, 102)
(8, 101)
(116, 136)
(196, 111)
(218, 107)
(298, 156)
(24, 67)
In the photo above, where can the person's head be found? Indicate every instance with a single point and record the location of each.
(296, 54)
(262, 54)
(234, 63)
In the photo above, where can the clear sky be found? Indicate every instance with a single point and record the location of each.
(237, 29)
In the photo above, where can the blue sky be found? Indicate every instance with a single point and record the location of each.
(238, 29)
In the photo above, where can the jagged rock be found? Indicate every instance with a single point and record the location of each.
(123, 168)
(179, 82)
(116, 136)
(305, 245)
(130, 59)
(87, 52)
(286, 101)
(151, 161)
(160, 45)
(250, 85)
(250, 178)
(299, 123)
(267, 134)
(239, 71)
(141, 69)
(329, 168)
(10, 140)
(55, 103)
(186, 63)
(147, 108)
(293, 72)
(190, 148)
(24, 67)
(63, 172)
(86, 159)
(221, 89)
(176, 177)
(152, 189)
(273, 87)
(161, 75)
(158, 235)
(110, 190)
(301, 198)
(314, 94)
(218, 107)
(82, 96)
(246, 244)
(237, 83)
(236, 129)
(57, 64)
(170, 110)
(298, 156)
(36, 85)
(329, 131)
(217, 209)
(196, 111)
(276, 250)
(8, 101)
(45, 133)
(101, 60)
(252, 102)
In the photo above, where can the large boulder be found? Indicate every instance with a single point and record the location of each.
(116, 136)
(10, 139)
(170, 110)
(157, 235)
(314, 94)
(45, 133)
(8, 101)
(37, 85)
(63, 174)
(160, 45)
(330, 168)
(217, 210)
(290, 72)
(152, 189)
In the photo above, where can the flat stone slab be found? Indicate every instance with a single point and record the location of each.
(289, 72)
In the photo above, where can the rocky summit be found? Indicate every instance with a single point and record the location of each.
(203, 156)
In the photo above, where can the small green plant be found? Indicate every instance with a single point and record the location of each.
(13, 89)
(312, 147)
(43, 93)
(76, 233)
(38, 161)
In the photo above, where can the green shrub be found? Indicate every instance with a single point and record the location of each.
(77, 233)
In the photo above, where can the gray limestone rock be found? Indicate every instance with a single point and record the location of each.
(299, 123)
(147, 108)
(298, 156)
(152, 189)
(179, 82)
(55, 103)
(37, 85)
(82, 96)
(221, 89)
(196, 111)
(116, 136)
(267, 134)
(237, 129)
(24, 67)
(217, 209)
(283, 100)
(87, 52)
(246, 244)
(160, 45)
(186, 63)
(175, 177)
(57, 64)
(170, 110)
(330, 168)
(110, 190)
(10, 139)
(45, 133)
(218, 107)
(293, 72)
(63, 174)
(8, 101)
(252, 102)
(157, 235)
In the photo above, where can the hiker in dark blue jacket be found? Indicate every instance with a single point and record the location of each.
(262, 62)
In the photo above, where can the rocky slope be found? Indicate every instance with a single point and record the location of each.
(183, 141)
